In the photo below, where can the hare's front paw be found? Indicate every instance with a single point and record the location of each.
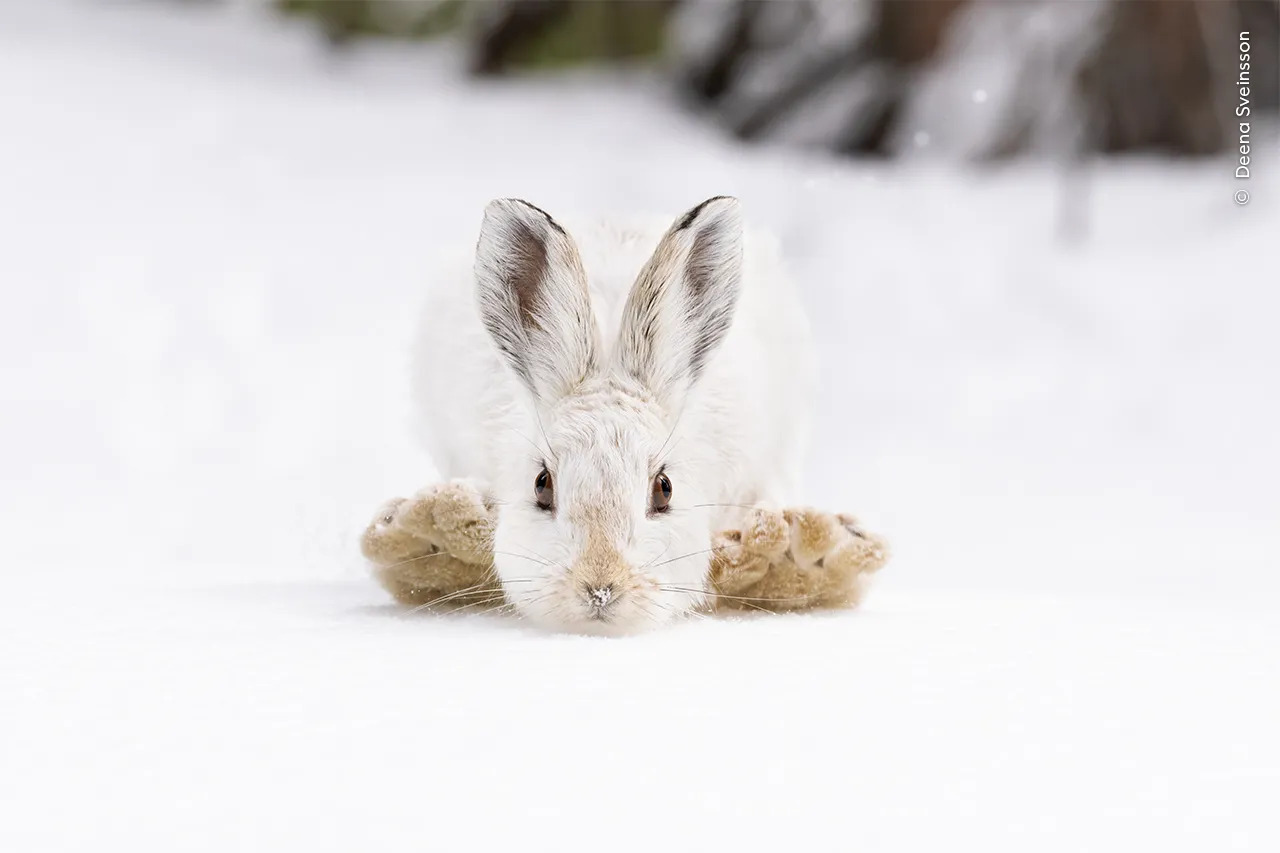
(836, 552)
(435, 546)
(457, 515)
(794, 559)
(741, 557)
(387, 540)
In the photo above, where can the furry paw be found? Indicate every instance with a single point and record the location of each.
(743, 556)
(455, 515)
(793, 560)
(435, 547)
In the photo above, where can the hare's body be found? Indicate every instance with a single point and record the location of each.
(730, 430)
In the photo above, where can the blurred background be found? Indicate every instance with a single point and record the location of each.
(1047, 324)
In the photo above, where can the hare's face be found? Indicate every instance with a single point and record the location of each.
(602, 526)
(599, 532)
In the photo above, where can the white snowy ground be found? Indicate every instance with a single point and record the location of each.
(214, 239)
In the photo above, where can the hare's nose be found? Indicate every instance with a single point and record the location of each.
(600, 596)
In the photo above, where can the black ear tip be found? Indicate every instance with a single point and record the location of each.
(724, 203)
(518, 208)
(502, 205)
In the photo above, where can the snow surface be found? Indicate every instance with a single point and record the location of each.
(1054, 390)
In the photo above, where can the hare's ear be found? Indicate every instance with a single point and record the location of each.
(532, 293)
(682, 304)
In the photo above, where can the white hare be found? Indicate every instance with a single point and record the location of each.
(620, 393)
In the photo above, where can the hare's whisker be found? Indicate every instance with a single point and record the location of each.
(533, 559)
(734, 597)
(484, 586)
(548, 561)
(453, 596)
(668, 438)
(538, 415)
(416, 559)
(684, 556)
(656, 557)
(494, 608)
(539, 598)
(542, 451)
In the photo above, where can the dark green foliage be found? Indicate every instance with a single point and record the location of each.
(345, 19)
(572, 32)
(504, 35)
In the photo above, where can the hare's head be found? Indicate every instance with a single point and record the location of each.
(602, 522)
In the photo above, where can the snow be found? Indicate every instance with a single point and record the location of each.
(1052, 389)
(279, 717)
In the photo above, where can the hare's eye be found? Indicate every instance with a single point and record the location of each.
(660, 501)
(543, 490)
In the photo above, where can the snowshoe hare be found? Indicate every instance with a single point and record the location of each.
(619, 394)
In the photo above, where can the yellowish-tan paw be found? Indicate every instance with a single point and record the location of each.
(434, 548)
(795, 559)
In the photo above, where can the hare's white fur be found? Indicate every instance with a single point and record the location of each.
(528, 355)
